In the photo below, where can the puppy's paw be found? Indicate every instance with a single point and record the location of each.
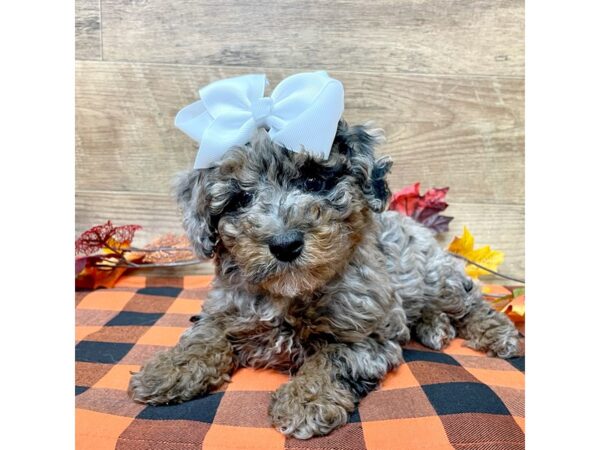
(502, 342)
(161, 381)
(435, 332)
(304, 408)
(506, 347)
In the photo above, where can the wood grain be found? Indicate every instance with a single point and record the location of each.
(462, 132)
(444, 78)
(88, 40)
(500, 226)
(425, 36)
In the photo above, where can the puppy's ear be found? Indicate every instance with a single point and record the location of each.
(190, 191)
(358, 144)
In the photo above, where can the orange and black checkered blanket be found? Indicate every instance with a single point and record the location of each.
(455, 399)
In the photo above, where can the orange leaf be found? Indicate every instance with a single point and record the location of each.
(516, 309)
(93, 277)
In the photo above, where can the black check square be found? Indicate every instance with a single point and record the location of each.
(163, 291)
(458, 398)
(129, 318)
(354, 416)
(518, 363)
(101, 352)
(202, 409)
(417, 355)
(80, 389)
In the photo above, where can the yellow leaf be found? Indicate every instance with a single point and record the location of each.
(484, 256)
(462, 245)
(113, 244)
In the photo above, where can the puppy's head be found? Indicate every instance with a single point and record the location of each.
(283, 221)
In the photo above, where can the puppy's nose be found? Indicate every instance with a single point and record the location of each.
(287, 246)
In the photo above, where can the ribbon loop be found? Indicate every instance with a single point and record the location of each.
(301, 114)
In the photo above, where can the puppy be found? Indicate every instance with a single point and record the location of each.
(313, 277)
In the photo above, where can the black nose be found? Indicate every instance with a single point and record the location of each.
(287, 246)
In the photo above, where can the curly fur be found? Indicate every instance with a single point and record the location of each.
(336, 316)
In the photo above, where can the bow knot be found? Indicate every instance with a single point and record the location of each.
(302, 113)
(261, 109)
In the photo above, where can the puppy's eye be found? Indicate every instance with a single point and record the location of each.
(314, 184)
(240, 200)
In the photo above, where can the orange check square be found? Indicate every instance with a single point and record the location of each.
(400, 378)
(106, 300)
(185, 306)
(228, 437)
(246, 379)
(117, 377)
(406, 434)
(521, 422)
(197, 281)
(98, 431)
(507, 378)
(131, 281)
(82, 331)
(167, 336)
(457, 347)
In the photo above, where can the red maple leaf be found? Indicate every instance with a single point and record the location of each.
(423, 208)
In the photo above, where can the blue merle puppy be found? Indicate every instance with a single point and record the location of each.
(314, 278)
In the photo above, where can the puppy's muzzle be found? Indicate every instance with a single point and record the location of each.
(287, 246)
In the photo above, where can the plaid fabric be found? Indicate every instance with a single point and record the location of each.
(455, 399)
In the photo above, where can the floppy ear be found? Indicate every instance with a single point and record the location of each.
(358, 144)
(190, 191)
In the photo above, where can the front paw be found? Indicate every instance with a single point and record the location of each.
(436, 331)
(307, 407)
(502, 342)
(162, 381)
(506, 347)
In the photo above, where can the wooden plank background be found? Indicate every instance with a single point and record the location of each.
(443, 78)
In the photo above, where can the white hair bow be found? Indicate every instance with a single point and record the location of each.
(302, 113)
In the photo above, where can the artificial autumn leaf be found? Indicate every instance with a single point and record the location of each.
(405, 200)
(498, 296)
(92, 272)
(108, 254)
(169, 248)
(106, 238)
(423, 208)
(518, 291)
(484, 256)
(94, 278)
(100, 270)
(516, 309)
(510, 301)
(437, 223)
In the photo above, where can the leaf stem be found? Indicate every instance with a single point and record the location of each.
(485, 268)
(495, 296)
(158, 249)
(149, 266)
